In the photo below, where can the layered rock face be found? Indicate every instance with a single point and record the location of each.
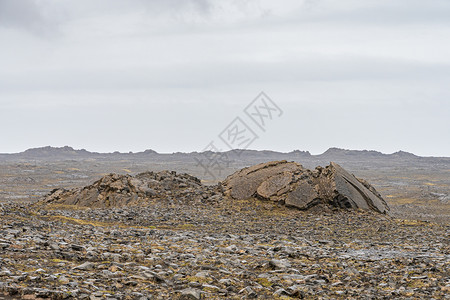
(295, 186)
(124, 190)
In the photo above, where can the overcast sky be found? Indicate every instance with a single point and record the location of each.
(171, 75)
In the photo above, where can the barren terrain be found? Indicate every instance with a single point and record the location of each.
(213, 247)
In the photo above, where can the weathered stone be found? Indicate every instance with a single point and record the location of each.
(274, 185)
(304, 196)
(190, 294)
(77, 247)
(290, 183)
(279, 264)
(115, 190)
(245, 182)
(85, 266)
(4, 245)
(279, 181)
(349, 191)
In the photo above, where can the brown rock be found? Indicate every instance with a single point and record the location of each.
(115, 190)
(290, 183)
(246, 181)
(275, 185)
(303, 197)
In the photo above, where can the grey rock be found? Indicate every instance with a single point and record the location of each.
(210, 287)
(190, 294)
(281, 292)
(87, 266)
(279, 264)
(5, 273)
(77, 247)
(226, 281)
(202, 274)
(251, 294)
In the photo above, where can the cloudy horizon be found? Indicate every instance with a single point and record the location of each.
(170, 75)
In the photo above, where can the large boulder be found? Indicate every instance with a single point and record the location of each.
(295, 186)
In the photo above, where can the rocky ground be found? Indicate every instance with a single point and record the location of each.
(187, 241)
(216, 248)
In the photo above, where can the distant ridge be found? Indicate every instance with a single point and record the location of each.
(338, 152)
(68, 152)
(54, 151)
(404, 154)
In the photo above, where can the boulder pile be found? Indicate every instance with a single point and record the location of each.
(115, 190)
(280, 181)
(295, 186)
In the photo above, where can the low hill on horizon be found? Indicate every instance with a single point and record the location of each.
(333, 152)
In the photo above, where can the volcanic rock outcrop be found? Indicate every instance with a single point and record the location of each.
(115, 190)
(280, 181)
(295, 186)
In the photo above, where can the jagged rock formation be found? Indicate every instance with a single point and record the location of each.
(124, 190)
(293, 185)
(281, 181)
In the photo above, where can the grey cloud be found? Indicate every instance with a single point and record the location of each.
(380, 12)
(23, 14)
(152, 6)
(46, 16)
(39, 16)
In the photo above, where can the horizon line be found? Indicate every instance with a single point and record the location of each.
(191, 152)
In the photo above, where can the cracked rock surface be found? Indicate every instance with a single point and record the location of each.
(295, 186)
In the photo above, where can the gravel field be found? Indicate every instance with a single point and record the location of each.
(219, 250)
